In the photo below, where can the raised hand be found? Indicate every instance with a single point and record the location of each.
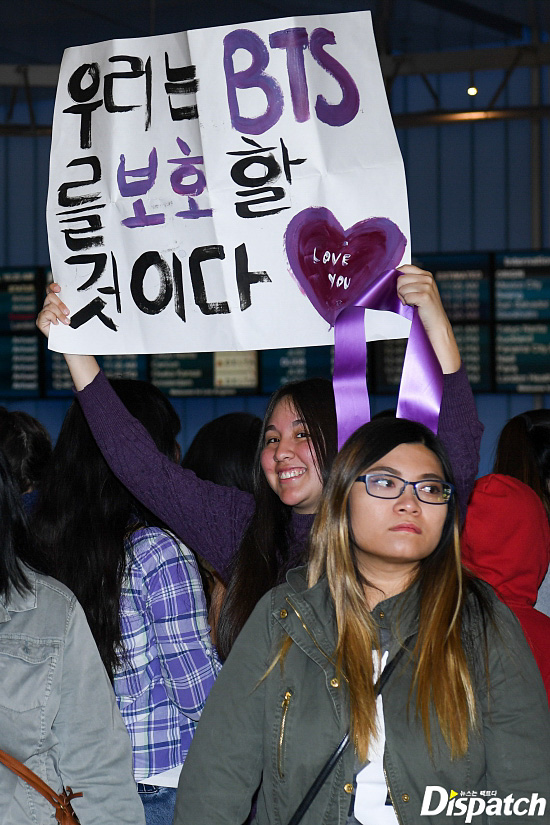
(83, 368)
(416, 287)
(53, 310)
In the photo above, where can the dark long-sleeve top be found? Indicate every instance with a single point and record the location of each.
(211, 519)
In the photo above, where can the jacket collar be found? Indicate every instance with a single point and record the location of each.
(19, 602)
(398, 614)
(314, 610)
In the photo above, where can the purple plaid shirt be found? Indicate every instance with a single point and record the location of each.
(169, 663)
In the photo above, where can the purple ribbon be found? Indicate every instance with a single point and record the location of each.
(421, 385)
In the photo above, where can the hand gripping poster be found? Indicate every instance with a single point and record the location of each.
(230, 188)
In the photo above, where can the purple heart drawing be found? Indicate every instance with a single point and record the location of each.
(333, 265)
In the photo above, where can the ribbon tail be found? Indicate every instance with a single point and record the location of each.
(421, 388)
(350, 372)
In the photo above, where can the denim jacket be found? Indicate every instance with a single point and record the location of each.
(279, 729)
(58, 713)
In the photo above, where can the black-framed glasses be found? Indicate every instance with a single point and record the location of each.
(428, 490)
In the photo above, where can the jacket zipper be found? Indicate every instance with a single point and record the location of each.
(285, 704)
(312, 637)
(394, 806)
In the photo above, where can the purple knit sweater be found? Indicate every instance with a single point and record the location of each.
(212, 519)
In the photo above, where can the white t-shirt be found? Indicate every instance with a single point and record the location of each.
(166, 779)
(371, 792)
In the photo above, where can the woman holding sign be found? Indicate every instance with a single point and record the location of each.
(383, 661)
(297, 446)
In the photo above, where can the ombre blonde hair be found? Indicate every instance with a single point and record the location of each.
(441, 676)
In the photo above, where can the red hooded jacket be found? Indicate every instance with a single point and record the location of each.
(506, 542)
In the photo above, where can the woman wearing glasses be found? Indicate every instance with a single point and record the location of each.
(462, 711)
(252, 540)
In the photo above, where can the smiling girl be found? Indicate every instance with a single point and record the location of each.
(251, 541)
(462, 707)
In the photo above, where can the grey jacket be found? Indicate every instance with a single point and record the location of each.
(58, 713)
(280, 730)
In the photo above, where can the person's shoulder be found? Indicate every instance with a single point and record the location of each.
(41, 592)
(147, 542)
(51, 590)
(47, 604)
(507, 487)
(479, 605)
(486, 613)
(152, 549)
(274, 600)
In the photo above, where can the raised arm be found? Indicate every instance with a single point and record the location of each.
(459, 426)
(207, 517)
(83, 368)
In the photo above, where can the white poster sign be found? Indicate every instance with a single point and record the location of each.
(178, 163)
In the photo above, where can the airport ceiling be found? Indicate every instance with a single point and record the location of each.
(414, 37)
(37, 31)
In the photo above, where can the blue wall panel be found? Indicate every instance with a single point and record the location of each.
(421, 165)
(453, 91)
(489, 191)
(398, 97)
(487, 83)
(545, 172)
(518, 234)
(4, 199)
(21, 245)
(493, 413)
(42, 149)
(419, 97)
(518, 89)
(455, 188)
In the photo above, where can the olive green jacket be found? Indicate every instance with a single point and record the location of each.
(277, 732)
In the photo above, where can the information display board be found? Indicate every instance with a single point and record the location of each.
(58, 383)
(464, 283)
(474, 343)
(522, 316)
(205, 373)
(386, 361)
(125, 366)
(19, 346)
(523, 357)
(386, 365)
(498, 304)
(522, 287)
(18, 299)
(19, 366)
(279, 366)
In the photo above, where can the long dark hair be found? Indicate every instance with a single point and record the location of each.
(15, 541)
(441, 675)
(27, 446)
(84, 513)
(523, 451)
(265, 553)
(224, 450)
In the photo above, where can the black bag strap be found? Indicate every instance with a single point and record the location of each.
(331, 762)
